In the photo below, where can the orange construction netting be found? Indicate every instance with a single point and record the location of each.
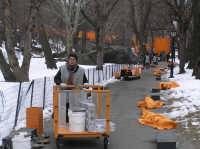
(149, 103)
(156, 120)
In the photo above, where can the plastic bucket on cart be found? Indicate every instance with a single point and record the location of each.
(77, 121)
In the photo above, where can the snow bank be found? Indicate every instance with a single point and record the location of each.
(186, 98)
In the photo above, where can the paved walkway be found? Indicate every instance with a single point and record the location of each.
(129, 134)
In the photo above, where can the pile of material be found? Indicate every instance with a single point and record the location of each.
(159, 71)
(168, 85)
(149, 103)
(117, 75)
(156, 120)
(153, 119)
(136, 71)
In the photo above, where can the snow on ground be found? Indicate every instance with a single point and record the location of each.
(185, 99)
(38, 69)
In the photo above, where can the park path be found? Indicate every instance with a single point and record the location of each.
(124, 112)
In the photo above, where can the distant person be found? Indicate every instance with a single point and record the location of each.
(70, 74)
(147, 60)
(155, 59)
(168, 57)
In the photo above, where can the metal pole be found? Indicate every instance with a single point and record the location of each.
(32, 94)
(88, 75)
(44, 92)
(106, 74)
(112, 70)
(103, 74)
(93, 76)
(17, 107)
(171, 65)
(109, 72)
(98, 75)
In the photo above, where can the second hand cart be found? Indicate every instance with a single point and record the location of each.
(64, 133)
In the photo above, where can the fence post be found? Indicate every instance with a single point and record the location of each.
(18, 105)
(112, 70)
(98, 75)
(88, 75)
(44, 92)
(106, 72)
(93, 76)
(32, 93)
(103, 74)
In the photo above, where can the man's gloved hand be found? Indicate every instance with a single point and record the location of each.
(62, 84)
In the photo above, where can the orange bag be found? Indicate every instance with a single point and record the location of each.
(156, 120)
(168, 85)
(149, 103)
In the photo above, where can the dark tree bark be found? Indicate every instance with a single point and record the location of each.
(98, 21)
(12, 71)
(50, 61)
(141, 27)
(181, 12)
(196, 38)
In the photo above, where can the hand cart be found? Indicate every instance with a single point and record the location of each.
(64, 133)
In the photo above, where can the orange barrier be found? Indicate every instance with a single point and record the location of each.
(156, 120)
(34, 119)
(168, 85)
(149, 103)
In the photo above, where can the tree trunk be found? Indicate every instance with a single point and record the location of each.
(182, 53)
(47, 49)
(69, 42)
(99, 44)
(84, 41)
(23, 73)
(195, 38)
(5, 69)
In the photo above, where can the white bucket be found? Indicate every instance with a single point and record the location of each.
(20, 142)
(76, 121)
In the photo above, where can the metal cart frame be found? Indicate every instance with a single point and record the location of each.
(60, 133)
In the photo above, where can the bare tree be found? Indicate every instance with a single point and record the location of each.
(97, 14)
(181, 14)
(139, 13)
(69, 12)
(12, 70)
(195, 38)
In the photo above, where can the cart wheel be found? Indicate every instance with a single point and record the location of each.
(106, 142)
(58, 142)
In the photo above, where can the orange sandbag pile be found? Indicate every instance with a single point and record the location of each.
(117, 75)
(159, 71)
(168, 85)
(136, 71)
(149, 103)
(156, 120)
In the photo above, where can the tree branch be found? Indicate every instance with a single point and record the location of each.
(88, 18)
(112, 7)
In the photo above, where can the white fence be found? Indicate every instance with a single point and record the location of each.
(39, 93)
